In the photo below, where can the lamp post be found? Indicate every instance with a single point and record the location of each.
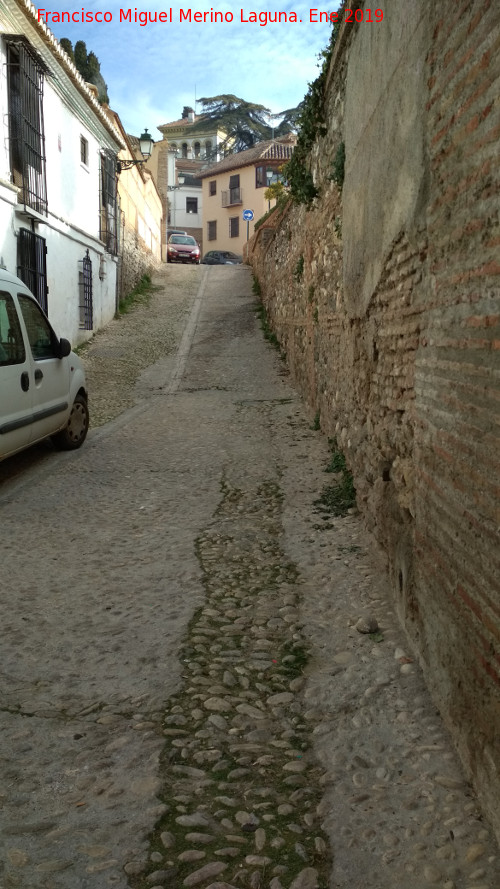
(269, 176)
(180, 179)
(146, 145)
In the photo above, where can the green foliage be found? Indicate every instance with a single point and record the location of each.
(299, 269)
(68, 48)
(244, 123)
(338, 498)
(269, 334)
(140, 295)
(338, 168)
(311, 123)
(87, 64)
(275, 192)
(280, 205)
(337, 461)
(256, 288)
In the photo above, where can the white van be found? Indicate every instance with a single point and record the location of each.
(42, 382)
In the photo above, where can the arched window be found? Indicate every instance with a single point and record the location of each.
(173, 146)
(197, 149)
(208, 148)
(184, 149)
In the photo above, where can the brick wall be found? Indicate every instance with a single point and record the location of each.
(386, 300)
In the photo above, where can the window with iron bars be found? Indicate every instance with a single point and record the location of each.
(32, 264)
(86, 297)
(234, 226)
(212, 230)
(25, 73)
(108, 232)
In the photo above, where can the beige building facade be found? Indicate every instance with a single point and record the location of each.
(236, 184)
(140, 216)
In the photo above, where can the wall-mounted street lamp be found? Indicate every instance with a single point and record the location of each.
(146, 145)
(181, 179)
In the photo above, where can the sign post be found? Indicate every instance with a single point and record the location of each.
(248, 216)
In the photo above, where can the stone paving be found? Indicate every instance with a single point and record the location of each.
(202, 679)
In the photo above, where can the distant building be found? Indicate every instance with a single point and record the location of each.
(238, 183)
(182, 154)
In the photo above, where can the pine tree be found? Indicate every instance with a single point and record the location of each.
(245, 123)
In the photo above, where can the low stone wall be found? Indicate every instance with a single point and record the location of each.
(385, 298)
(136, 261)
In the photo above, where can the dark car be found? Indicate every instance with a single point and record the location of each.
(182, 248)
(221, 257)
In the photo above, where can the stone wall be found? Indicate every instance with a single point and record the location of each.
(385, 299)
(136, 260)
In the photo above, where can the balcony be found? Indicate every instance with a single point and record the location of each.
(232, 197)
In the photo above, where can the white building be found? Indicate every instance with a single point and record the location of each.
(176, 164)
(58, 194)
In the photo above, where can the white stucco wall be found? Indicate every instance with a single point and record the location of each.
(72, 223)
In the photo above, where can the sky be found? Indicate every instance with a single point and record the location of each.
(153, 71)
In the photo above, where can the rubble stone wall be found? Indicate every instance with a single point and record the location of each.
(385, 298)
(137, 261)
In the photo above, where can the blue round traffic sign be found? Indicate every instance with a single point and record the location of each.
(248, 215)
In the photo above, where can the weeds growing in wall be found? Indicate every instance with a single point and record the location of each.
(338, 498)
(260, 309)
(311, 125)
(141, 294)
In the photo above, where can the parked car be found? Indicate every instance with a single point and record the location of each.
(43, 392)
(182, 248)
(175, 231)
(221, 257)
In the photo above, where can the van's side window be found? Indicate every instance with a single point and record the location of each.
(40, 335)
(11, 339)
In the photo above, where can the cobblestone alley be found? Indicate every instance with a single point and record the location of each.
(202, 679)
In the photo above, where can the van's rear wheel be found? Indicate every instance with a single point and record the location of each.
(75, 432)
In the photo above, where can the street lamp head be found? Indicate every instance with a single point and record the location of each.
(146, 144)
(181, 178)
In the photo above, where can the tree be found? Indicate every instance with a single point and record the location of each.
(245, 123)
(68, 48)
(87, 64)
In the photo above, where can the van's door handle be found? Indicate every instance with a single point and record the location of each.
(38, 375)
(25, 381)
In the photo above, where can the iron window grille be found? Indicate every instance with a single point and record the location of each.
(191, 205)
(212, 231)
(85, 287)
(32, 264)
(234, 226)
(108, 203)
(25, 74)
(212, 187)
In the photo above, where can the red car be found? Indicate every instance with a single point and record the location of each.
(182, 248)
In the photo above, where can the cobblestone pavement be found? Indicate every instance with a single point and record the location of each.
(187, 694)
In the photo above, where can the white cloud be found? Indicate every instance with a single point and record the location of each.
(153, 71)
